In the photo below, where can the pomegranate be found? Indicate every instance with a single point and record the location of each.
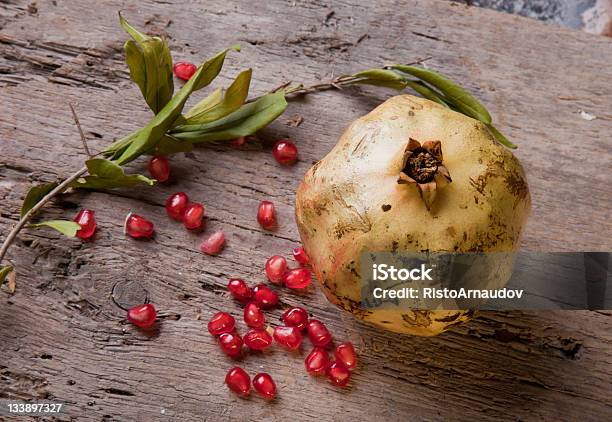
(184, 70)
(386, 186)
(264, 296)
(317, 361)
(176, 205)
(266, 215)
(318, 333)
(257, 339)
(238, 381)
(138, 227)
(159, 167)
(285, 152)
(288, 337)
(220, 323)
(265, 386)
(214, 244)
(239, 289)
(253, 316)
(275, 268)
(299, 254)
(87, 220)
(142, 316)
(295, 317)
(338, 374)
(231, 344)
(345, 354)
(297, 278)
(193, 216)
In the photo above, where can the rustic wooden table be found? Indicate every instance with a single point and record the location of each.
(63, 338)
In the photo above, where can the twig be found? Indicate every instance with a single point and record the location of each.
(28, 216)
(78, 125)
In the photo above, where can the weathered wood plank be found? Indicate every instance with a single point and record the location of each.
(62, 336)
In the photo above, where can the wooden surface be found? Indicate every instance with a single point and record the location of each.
(63, 338)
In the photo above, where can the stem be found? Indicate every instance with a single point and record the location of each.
(28, 216)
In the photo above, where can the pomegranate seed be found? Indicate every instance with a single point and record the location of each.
(298, 278)
(138, 227)
(285, 152)
(184, 70)
(253, 316)
(295, 317)
(176, 205)
(258, 339)
(193, 216)
(87, 220)
(317, 361)
(239, 289)
(159, 167)
(266, 215)
(265, 386)
(276, 266)
(214, 243)
(288, 337)
(238, 142)
(345, 354)
(299, 254)
(231, 344)
(264, 296)
(220, 323)
(142, 316)
(338, 374)
(318, 333)
(238, 381)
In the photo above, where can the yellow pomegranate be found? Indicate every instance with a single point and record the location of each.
(412, 175)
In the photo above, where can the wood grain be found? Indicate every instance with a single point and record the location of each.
(63, 337)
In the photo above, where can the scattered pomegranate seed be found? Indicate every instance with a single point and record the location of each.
(298, 278)
(318, 333)
(184, 70)
(295, 317)
(317, 361)
(138, 227)
(264, 296)
(87, 220)
(288, 337)
(266, 216)
(275, 267)
(193, 216)
(338, 374)
(142, 316)
(258, 339)
(239, 289)
(231, 344)
(214, 243)
(253, 316)
(299, 254)
(265, 386)
(159, 167)
(238, 381)
(176, 205)
(285, 152)
(345, 354)
(220, 323)
(238, 142)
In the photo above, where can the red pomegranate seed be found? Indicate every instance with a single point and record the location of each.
(275, 267)
(159, 167)
(193, 216)
(285, 152)
(214, 243)
(142, 316)
(299, 254)
(238, 381)
(184, 70)
(138, 227)
(317, 361)
(238, 142)
(239, 289)
(264, 296)
(288, 337)
(253, 316)
(338, 374)
(231, 344)
(298, 278)
(345, 354)
(176, 205)
(266, 216)
(318, 333)
(295, 317)
(258, 339)
(220, 323)
(265, 386)
(87, 220)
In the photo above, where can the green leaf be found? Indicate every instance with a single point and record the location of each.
(381, 77)
(169, 145)
(4, 272)
(426, 92)
(145, 139)
(234, 97)
(454, 94)
(205, 104)
(150, 64)
(65, 227)
(104, 174)
(500, 137)
(35, 194)
(245, 121)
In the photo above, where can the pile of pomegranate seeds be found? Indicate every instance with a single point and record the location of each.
(184, 70)
(86, 219)
(159, 168)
